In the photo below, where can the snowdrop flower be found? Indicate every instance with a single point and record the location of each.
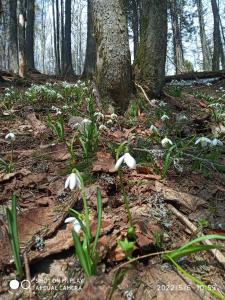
(154, 129)
(10, 137)
(165, 142)
(72, 181)
(86, 122)
(181, 118)
(113, 116)
(216, 142)
(162, 103)
(204, 141)
(164, 117)
(65, 106)
(103, 127)
(99, 115)
(216, 105)
(128, 159)
(75, 222)
(109, 122)
(154, 102)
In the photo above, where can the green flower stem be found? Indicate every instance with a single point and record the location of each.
(86, 213)
(125, 199)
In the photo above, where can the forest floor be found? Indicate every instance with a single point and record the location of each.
(175, 193)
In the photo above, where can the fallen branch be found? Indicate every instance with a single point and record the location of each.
(218, 255)
(144, 93)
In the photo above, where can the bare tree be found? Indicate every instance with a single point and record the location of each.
(30, 34)
(113, 54)
(13, 41)
(68, 69)
(90, 56)
(22, 40)
(151, 56)
(218, 53)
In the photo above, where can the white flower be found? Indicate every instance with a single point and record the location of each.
(103, 127)
(154, 129)
(113, 116)
(128, 159)
(99, 115)
(204, 141)
(165, 142)
(86, 121)
(75, 222)
(10, 137)
(162, 103)
(182, 118)
(72, 181)
(154, 102)
(164, 117)
(109, 122)
(216, 142)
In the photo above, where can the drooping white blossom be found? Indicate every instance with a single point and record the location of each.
(73, 181)
(128, 159)
(75, 222)
(10, 137)
(166, 142)
(165, 117)
(203, 141)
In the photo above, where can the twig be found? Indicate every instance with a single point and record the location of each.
(27, 271)
(143, 91)
(218, 255)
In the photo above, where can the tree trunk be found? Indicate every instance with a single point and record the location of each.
(218, 47)
(30, 34)
(62, 38)
(13, 42)
(206, 55)
(177, 37)
(22, 40)
(113, 55)
(135, 25)
(68, 54)
(90, 56)
(57, 37)
(151, 56)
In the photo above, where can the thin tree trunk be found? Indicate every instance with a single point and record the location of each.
(218, 48)
(204, 44)
(90, 56)
(113, 54)
(151, 57)
(22, 40)
(30, 34)
(13, 41)
(57, 37)
(68, 54)
(177, 38)
(54, 33)
(62, 38)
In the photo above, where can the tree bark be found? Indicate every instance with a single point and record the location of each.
(13, 41)
(177, 37)
(113, 75)
(90, 56)
(22, 39)
(68, 54)
(151, 56)
(57, 37)
(218, 46)
(62, 38)
(30, 34)
(206, 55)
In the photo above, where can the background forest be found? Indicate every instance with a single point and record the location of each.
(112, 157)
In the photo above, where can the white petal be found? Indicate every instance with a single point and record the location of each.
(119, 162)
(130, 161)
(67, 182)
(73, 181)
(70, 220)
(76, 226)
(78, 182)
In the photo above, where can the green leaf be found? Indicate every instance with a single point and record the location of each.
(99, 207)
